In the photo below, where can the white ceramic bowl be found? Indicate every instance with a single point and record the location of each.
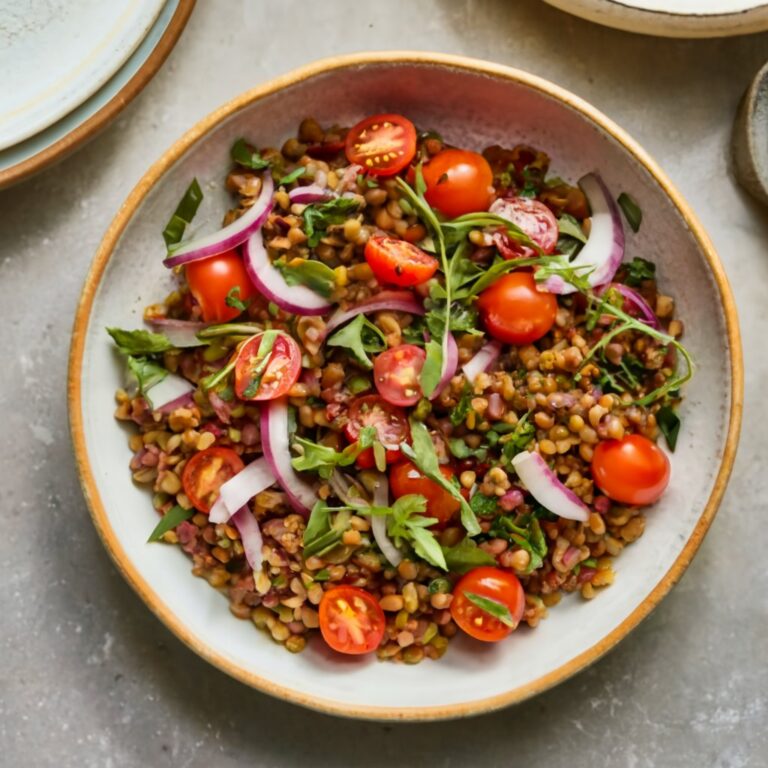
(473, 104)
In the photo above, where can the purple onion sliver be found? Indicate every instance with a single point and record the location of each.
(250, 534)
(312, 193)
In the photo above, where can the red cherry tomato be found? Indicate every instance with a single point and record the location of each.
(351, 620)
(514, 311)
(534, 218)
(280, 374)
(206, 472)
(389, 421)
(396, 374)
(501, 587)
(406, 478)
(211, 281)
(633, 470)
(398, 262)
(458, 182)
(382, 144)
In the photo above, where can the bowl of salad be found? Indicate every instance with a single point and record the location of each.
(404, 408)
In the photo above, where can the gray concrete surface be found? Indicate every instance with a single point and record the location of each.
(88, 677)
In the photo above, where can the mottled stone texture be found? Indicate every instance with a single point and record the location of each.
(88, 677)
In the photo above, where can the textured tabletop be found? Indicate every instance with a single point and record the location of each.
(88, 677)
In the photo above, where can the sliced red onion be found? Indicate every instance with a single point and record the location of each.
(400, 301)
(450, 363)
(169, 389)
(181, 333)
(240, 489)
(647, 315)
(274, 442)
(296, 299)
(379, 523)
(482, 361)
(230, 236)
(543, 485)
(348, 178)
(312, 193)
(180, 402)
(250, 534)
(604, 250)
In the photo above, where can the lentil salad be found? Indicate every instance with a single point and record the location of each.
(406, 366)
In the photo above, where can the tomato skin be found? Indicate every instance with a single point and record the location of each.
(493, 583)
(205, 472)
(389, 420)
(396, 374)
(382, 144)
(351, 620)
(211, 279)
(633, 470)
(397, 262)
(514, 311)
(458, 182)
(281, 373)
(533, 217)
(406, 478)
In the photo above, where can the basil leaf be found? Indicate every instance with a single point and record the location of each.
(314, 274)
(319, 216)
(183, 215)
(492, 607)
(569, 226)
(139, 342)
(248, 158)
(258, 366)
(170, 520)
(483, 505)
(296, 173)
(631, 210)
(465, 556)
(146, 372)
(233, 299)
(433, 367)
(359, 337)
(639, 270)
(669, 424)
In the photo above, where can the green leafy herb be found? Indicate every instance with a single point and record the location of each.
(169, 521)
(569, 226)
(323, 532)
(568, 246)
(561, 267)
(465, 556)
(461, 450)
(500, 267)
(229, 329)
(289, 178)
(258, 365)
(358, 384)
(359, 337)
(323, 459)
(431, 372)
(233, 299)
(212, 381)
(638, 270)
(483, 505)
(244, 155)
(146, 372)
(669, 424)
(273, 309)
(631, 210)
(518, 440)
(314, 274)
(183, 215)
(423, 454)
(139, 342)
(492, 607)
(460, 411)
(319, 216)
(526, 533)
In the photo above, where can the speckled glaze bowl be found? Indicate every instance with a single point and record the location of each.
(473, 104)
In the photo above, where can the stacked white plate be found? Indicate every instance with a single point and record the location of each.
(69, 66)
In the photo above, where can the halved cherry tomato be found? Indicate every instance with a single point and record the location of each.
(281, 373)
(382, 144)
(405, 478)
(633, 470)
(398, 262)
(493, 584)
(206, 472)
(534, 218)
(396, 374)
(514, 311)
(389, 421)
(458, 182)
(212, 280)
(351, 620)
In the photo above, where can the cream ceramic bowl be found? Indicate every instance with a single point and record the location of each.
(473, 104)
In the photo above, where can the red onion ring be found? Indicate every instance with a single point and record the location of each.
(399, 301)
(379, 523)
(312, 193)
(450, 363)
(647, 315)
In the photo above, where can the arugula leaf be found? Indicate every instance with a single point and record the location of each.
(528, 536)
(669, 424)
(465, 556)
(248, 158)
(258, 366)
(319, 216)
(146, 372)
(517, 441)
(289, 178)
(561, 267)
(183, 215)
(314, 274)
(170, 520)
(639, 270)
(433, 365)
(323, 533)
(425, 545)
(423, 454)
(323, 459)
(483, 505)
(359, 337)
(493, 607)
(631, 210)
(139, 342)
(568, 225)
(233, 299)
(501, 267)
